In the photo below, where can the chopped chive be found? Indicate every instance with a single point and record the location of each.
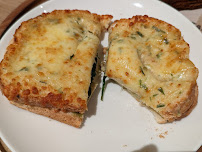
(161, 90)
(133, 36)
(90, 32)
(180, 92)
(103, 87)
(157, 29)
(78, 114)
(142, 70)
(140, 34)
(77, 21)
(142, 85)
(155, 95)
(159, 55)
(71, 56)
(171, 74)
(160, 105)
(43, 82)
(119, 41)
(24, 69)
(165, 40)
(60, 90)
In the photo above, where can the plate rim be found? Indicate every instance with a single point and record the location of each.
(30, 12)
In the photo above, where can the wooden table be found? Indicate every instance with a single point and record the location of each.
(10, 10)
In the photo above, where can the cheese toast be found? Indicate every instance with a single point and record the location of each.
(49, 67)
(150, 58)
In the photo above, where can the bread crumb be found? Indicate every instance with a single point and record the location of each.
(125, 145)
(161, 136)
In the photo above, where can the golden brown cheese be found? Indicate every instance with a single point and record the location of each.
(49, 62)
(150, 58)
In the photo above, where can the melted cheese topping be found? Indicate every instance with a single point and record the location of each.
(151, 60)
(55, 53)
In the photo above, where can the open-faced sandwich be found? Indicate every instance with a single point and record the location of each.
(150, 58)
(49, 67)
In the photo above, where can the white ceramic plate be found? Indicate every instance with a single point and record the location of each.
(118, 123)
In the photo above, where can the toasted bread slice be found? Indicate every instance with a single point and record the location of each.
(150, 58)
(47, 68)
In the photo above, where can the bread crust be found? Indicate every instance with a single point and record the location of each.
(69, 118)
(185, 109)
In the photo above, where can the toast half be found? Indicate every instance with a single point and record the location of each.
(150, 58)
(50, 66)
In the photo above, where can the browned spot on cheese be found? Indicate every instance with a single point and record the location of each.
(44, 88)
(161, 136)
(131, 23)
(41, 74)
(125, 81)
(126, 73)
(34, 90)
(26, 83)
(26, 92)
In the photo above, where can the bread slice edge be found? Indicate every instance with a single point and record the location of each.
(69, 118)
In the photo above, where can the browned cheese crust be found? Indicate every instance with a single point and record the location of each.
(49, 62)
(150, 58)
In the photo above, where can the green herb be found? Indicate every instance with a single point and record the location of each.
(60, 90)
(180, 92)
(160, 105)
(71, 56)
(93, 71)
(90, 32)
(142, 70)
(78, 114)
(150, 98)
(161, 90)
(165, 40)
(67, 31)
(142, 85)
(159, 55)
(157, 29)
(24, 69)
(133, 36)
(43, 82)
(93, 74)
(119, 41)
(140, 34)
(103, 86)
(171, 74)
(77, 21)
(155, 95)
